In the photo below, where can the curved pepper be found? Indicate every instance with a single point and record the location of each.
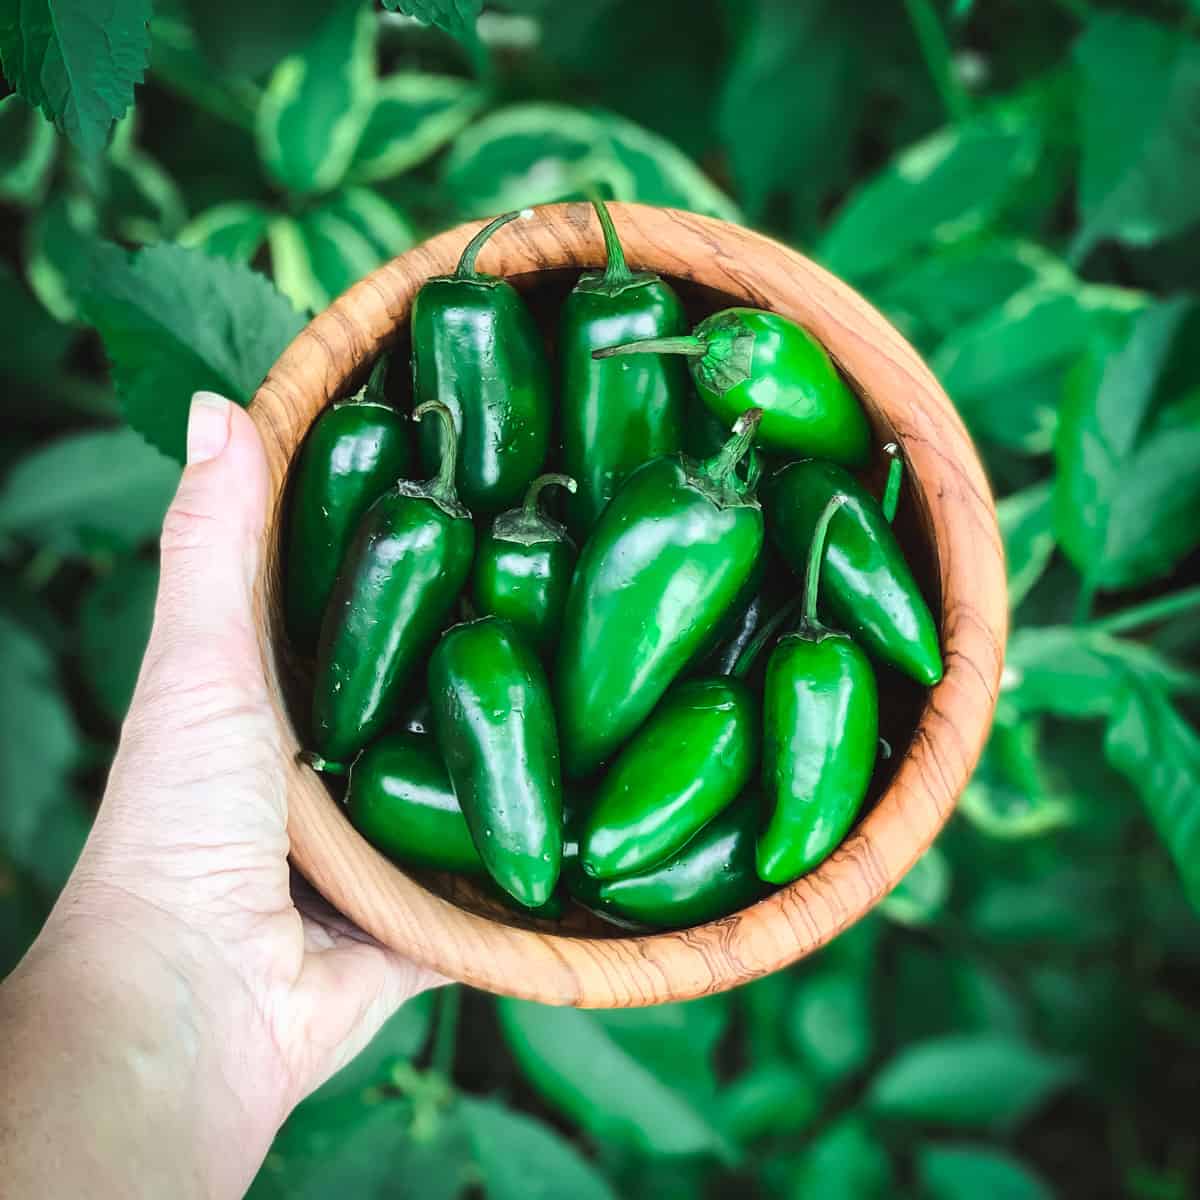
(400, 799)
(711, 877)
(820, 725)
(477, 350)
(494, 722)
(406, 566)
(354, 452)
(665, 561)
(523, 568)
(617, 415)
(868, 587)
(747, 356)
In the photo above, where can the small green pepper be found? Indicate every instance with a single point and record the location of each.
(617, 415)
(711, 877)
(523, 568)
(354, 452)
(869, 588)
(408, 562)
(477, 350)
(743, 357)
(667, 558)
(820, 725)
(400, 799)
(494, 722)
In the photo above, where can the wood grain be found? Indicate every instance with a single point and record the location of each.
(954, 509)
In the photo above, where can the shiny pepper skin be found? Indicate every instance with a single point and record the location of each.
(477, 350)
(354, 452)
(665, 561)
(494, 723)
(617, 415)
(409, 560)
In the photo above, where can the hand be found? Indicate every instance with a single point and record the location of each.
(177, 936)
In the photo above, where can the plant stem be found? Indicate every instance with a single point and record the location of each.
(1159, 609)
(442, 484)
(723, 464)
(816, 556)
(445, 1040)
(935, 49)
(466, 264)
(749, 655)
(891, 493)
(551, 479)
(693, 347)
(616, 270)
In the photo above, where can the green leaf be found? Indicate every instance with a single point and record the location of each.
(61, 241)
(27, 150)
(960, 1171)
(1127, 489)
(412, 116)
(142, 203)
(34, 344)
(75, 64)
(971, 1081)
(234, 231)
(847, 1162)
(456, 17)
(522, 1159)
(1027, 526)
(580, 1067)
(1159, 752)
(773, 1099)
(830, 1024)
(1140, 177)
(920, 896)
(107, 487)
(318, 100)
(114, 625)
(248, 39)
(534, 153)
(175, 321)
(316, 256)
(1064, 908)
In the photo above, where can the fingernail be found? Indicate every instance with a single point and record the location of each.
(208, 427)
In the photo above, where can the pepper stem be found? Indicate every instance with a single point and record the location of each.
(816, 555)
(441, 486)
(754, 648)
(372, 392)
(693, 347)
(616, 270)
(324, 765)
(891, 492)
(530, 506)
(466, 264)
(721, 467)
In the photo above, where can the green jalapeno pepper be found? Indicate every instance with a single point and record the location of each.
(477, 350)
(400, 799)
(494, 722)
(710, 877)
(354, 452)
(408, 562)
(669, 555)
(747, 356)
(820, 725)
(617, 415)
(523, 568)
(868, 587)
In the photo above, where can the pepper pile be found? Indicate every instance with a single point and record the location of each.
(589, 726)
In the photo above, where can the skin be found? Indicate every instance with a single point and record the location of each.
(692, 757)
(866, 583)
(186, 993)
(354, 452)
(400, 799)
(495, 726)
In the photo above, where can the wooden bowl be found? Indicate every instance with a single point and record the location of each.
(948, 528)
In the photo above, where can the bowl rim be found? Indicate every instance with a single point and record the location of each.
(954, 503)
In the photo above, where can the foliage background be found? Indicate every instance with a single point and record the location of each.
(1017, 184)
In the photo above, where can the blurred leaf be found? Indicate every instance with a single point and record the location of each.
(108, 486)
(42, 825)
(142, 203)
(456, 17)
(34, 343)
(1139, 107)
(316, 256)
(248, 39)
(1158, 750)
(58, 265)
(579, 1067)
(771, 1100)
(846, 1162)
(534, 153)
(921, 895)
(961, 1171)
(234, 231)
(114, 625)
(522, 1159)
(1127, 489)
(27, 146)
(79, 67)
(831, 1023)
(318, 100)
(21, 916)
(1026, 523)
(175, 321)
(1067, 907)
(969, 1080)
